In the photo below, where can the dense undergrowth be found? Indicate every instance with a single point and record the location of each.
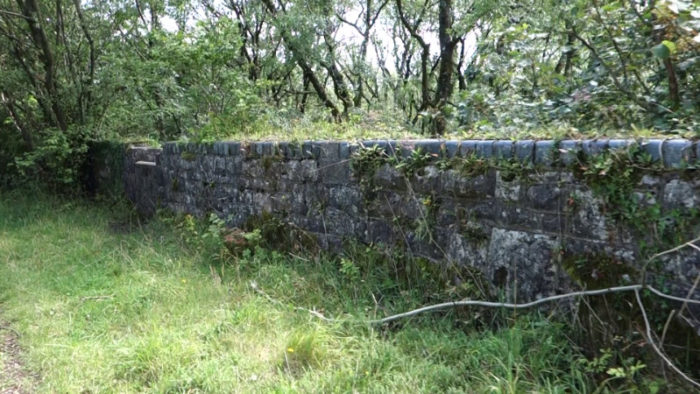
(107, 303)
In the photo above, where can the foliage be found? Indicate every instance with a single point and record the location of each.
(199, 70)
(586, 64)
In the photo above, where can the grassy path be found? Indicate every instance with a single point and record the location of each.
(107, 305)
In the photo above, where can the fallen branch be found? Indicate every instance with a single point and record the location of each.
(658, 351)
(489, 304)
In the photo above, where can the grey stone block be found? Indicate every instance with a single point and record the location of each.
(233, 148)
(507, 191)
(484, 149)
(220, 148)
(432, 147)
(170, 147)
(456, 184)
(292, 151)
(343, 151)
(544, 153)
(467, 148)
(387, 176)
(619, 144)
(522, 263)
(544, 197)
(307, 150)
(328, 151)
(382, 144)
(676, 153)
(568, 151)
(427, 180)
(503, 149)
(525, 150)
(654, 148)
(678, 194)
(268, 148)
(452, 148)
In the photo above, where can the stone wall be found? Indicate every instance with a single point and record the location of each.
(517, 227)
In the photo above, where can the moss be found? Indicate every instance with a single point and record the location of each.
(188, 156)
(474, 233)
(597, 271)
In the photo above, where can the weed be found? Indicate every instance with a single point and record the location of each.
(188, 156)
(417, 160)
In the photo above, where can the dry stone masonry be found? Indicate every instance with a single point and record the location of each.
(519, 228)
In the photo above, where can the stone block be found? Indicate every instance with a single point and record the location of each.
(427, 180)
(467, 148)
(544, 153)
(328, 151)
(234, 148)
(568, 151)
(432, 147)
(451, 148)
(544, 197)
(458, 185)
(679, 194)
(676, 153)
(587, 219)
(307, 150)
(525, 151)
(388, 177)
(465, 251)
(380, 231)
(484, 149)
(654, 148)
(620, 144)
(503, 149)
(345, 197)
(507, 191)
(343, 151)
(522, 264)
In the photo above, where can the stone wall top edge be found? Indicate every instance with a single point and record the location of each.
(672, 152)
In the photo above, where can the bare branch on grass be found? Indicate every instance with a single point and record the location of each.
(650, 341)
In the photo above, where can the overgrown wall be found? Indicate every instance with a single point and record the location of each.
(528, 217)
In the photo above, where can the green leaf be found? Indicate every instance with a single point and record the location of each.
(661, 51)
(670, 45)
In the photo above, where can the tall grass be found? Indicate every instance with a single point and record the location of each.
(105, 303)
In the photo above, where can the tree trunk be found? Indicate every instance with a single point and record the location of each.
(30, 10)
(447, 51)
(305, 67)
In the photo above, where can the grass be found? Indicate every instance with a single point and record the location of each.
(384, 124)
(106, 304)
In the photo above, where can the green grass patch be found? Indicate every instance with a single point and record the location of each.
(105, 303)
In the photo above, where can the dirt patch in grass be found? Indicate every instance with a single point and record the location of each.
(14, 378)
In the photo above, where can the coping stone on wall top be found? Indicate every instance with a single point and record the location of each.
(544, 152)
(484, 148)
(673, 153)
(452, 148)
(568, 149)
(676, 152)
(503, 149)
(524, 150)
